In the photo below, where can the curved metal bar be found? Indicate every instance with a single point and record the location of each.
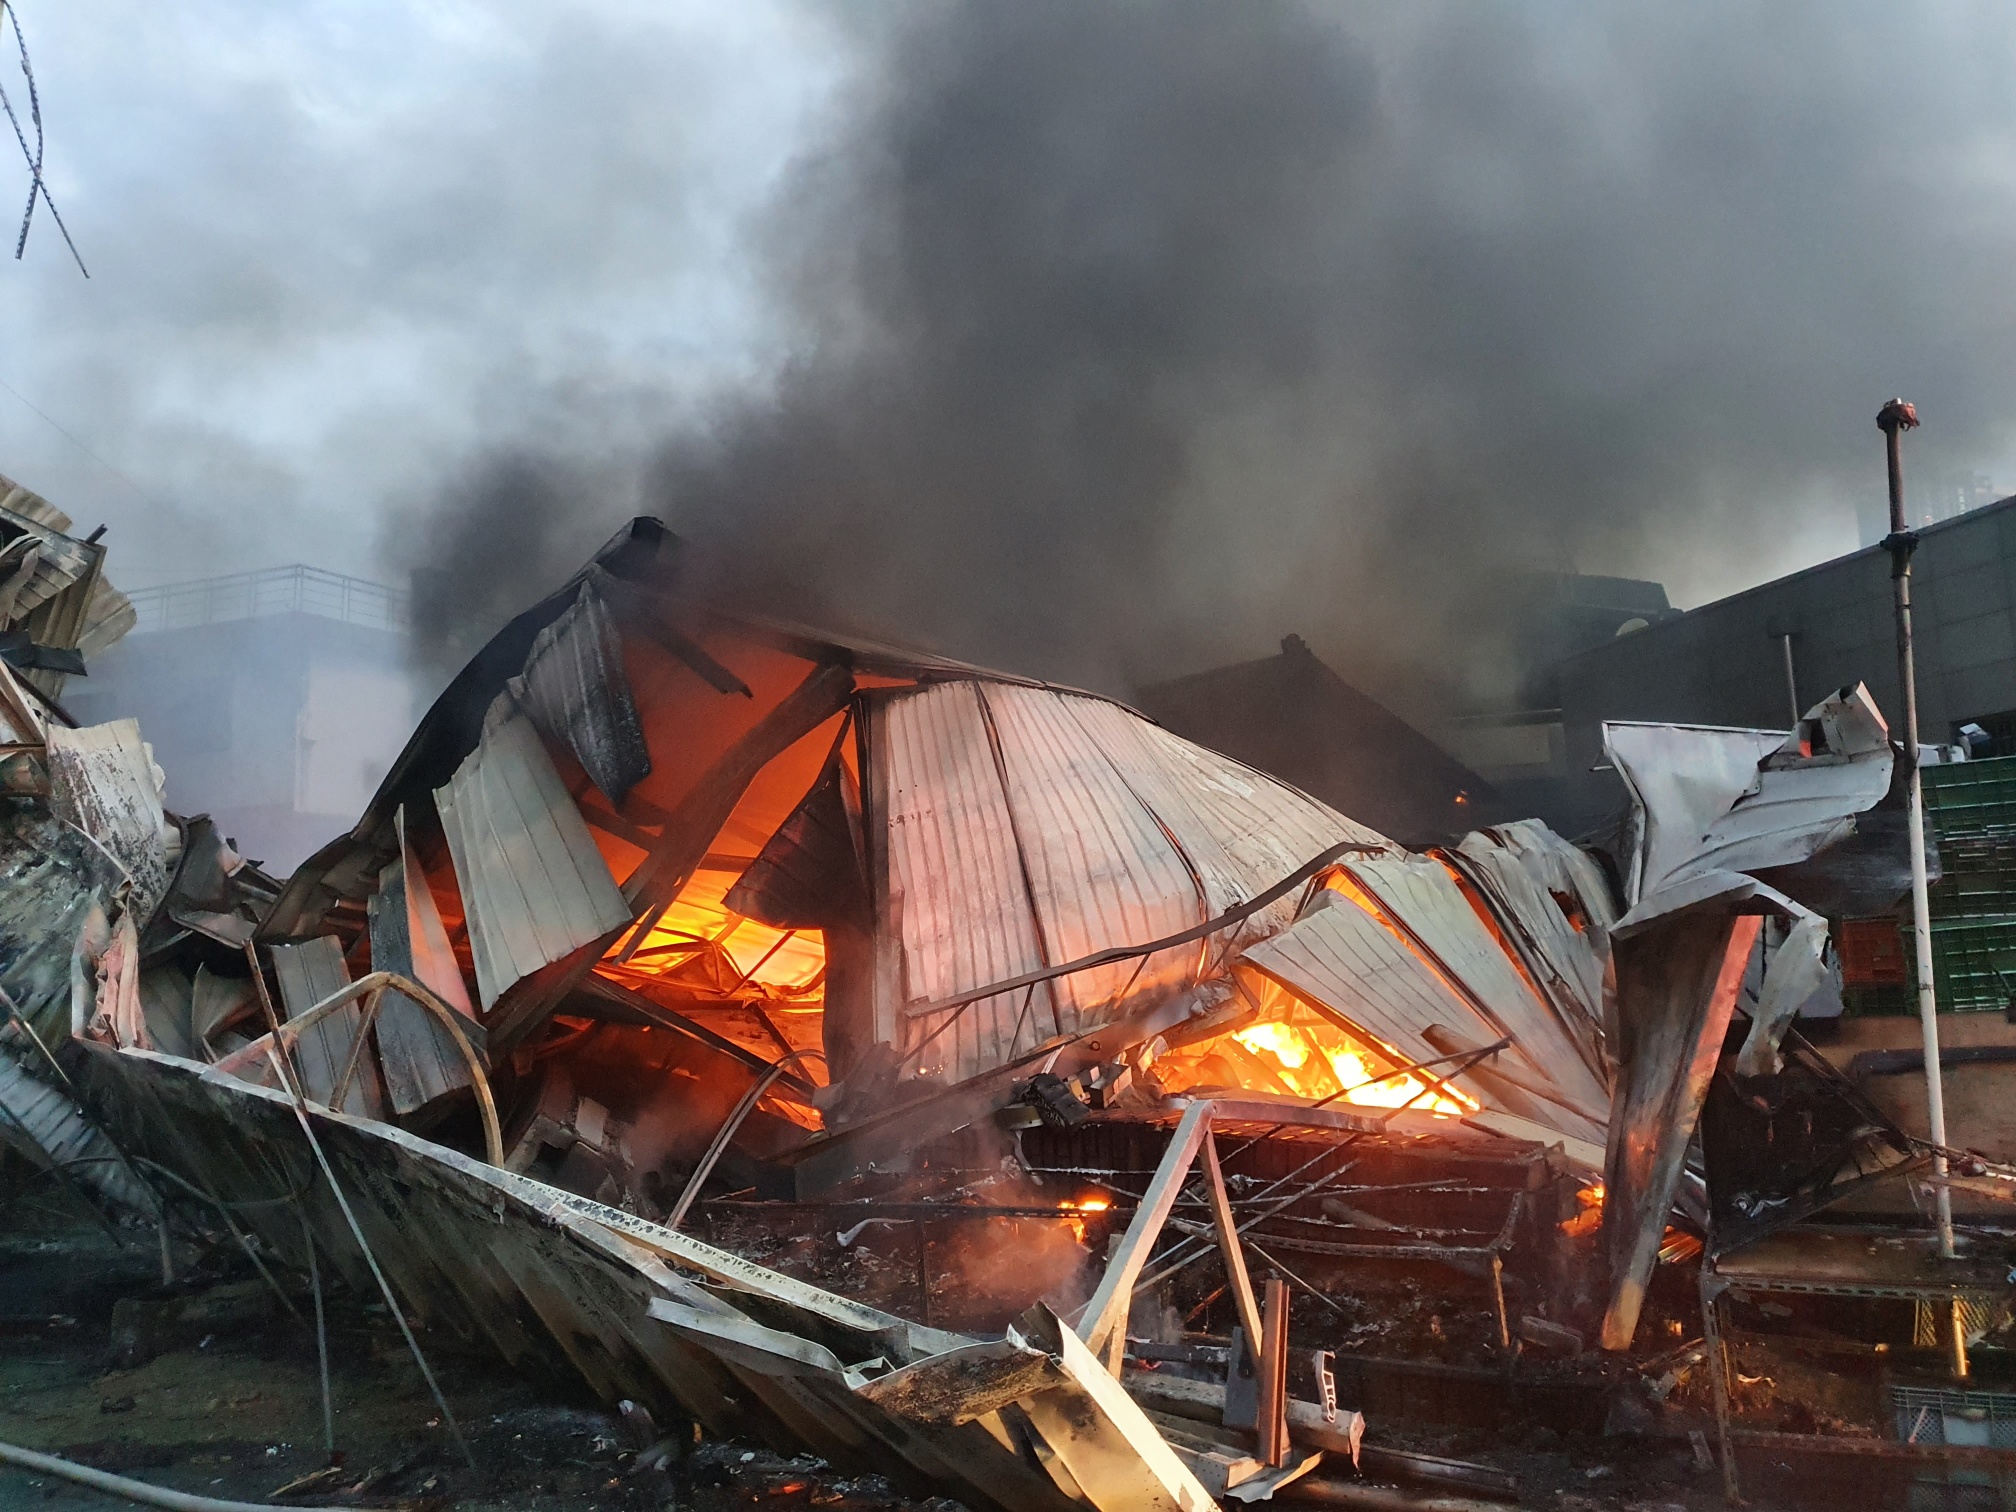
(727, 1132)
(379, 981)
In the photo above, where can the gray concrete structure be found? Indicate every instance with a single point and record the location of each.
(275, 701)
(1724, 663)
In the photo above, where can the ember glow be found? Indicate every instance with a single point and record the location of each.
(1590, 1218)
(1093, 1204)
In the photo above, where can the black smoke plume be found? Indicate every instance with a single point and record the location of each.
(1126, 337)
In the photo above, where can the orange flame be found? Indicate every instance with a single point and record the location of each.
(1315, 1061)
(1092, 1204)
(1590, 1219)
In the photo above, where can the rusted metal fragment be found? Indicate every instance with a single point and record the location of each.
(1677, 982)
(963, 1384)
(104, 781)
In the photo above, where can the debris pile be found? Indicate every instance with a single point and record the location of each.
(961, 1078)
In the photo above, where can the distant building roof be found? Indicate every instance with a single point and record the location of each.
(1292, 716)
(276, 590)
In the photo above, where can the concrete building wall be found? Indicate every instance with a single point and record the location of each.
(1724, 662)
(278, 716)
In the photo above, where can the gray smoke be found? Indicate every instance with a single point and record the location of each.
(1130, 336)
(1101, 339)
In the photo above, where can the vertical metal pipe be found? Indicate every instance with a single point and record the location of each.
(1956, 1322)
(1791, 681)
(1895, 418)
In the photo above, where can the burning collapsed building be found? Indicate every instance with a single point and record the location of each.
(1056, 1030)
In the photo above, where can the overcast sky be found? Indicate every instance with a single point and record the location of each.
(335, 247)
(1614, 287)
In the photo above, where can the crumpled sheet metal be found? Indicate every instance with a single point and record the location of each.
(1528, 870)
(550, 1279)
(1357, 962)
(45, 1128)
(1710, 799)
(1029, 826)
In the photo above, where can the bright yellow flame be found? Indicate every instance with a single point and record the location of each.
(1314, 1060)
(1092, 1204)
(1590, 1219)
(1277, 1040)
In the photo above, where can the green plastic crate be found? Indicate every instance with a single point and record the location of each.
(1971, 798)
(1974, 895)
(1974, 963)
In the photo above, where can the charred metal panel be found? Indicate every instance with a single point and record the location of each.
(636, 1310)
(53, 876)
(1781, 1148)
(1420, 894)
(103, 780)
(577, 692)
(1677, 982)
(1341, 959)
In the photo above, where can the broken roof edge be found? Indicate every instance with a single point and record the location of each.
(645, 554)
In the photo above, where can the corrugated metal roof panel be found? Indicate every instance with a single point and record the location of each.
(48, 1129)
(1240, 830)
(1338, 957)
(548, 1277)
(310, 971)
(957, 901)
(577, 692)
(1101, 871)
(1031, 826)
(61, 559)
(534, 885)
(1419, 891)
(1524, 866)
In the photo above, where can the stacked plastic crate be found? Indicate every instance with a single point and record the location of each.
(1970, 806)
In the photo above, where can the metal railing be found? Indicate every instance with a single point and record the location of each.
(276, 590)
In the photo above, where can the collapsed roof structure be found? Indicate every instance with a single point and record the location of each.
(669, 906)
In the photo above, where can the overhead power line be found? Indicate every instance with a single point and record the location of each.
(37, 189)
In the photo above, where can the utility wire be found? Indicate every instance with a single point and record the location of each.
(36, 186)
(74, 439)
